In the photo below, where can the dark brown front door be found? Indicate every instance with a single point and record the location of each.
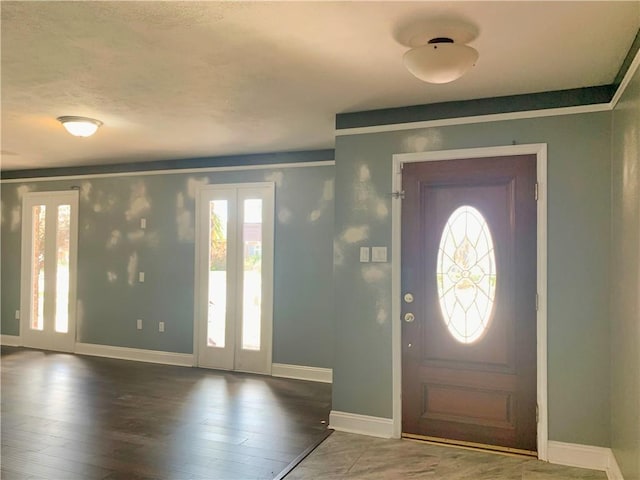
(469, 301)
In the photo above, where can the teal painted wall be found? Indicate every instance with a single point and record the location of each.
(579, 152)
(112, 250)
(625, 283)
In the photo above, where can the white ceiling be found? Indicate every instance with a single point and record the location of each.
(175, 80)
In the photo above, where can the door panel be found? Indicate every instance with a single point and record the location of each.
(469, 260)
(49, 256)
(235, 274)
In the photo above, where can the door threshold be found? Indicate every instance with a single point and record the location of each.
(516, 452)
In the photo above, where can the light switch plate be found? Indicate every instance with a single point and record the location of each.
(161, 326)
(143, 223)
(141, 277)
(139, 324)
(364, 254)
(378, 254)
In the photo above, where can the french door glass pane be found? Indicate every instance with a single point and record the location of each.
(62, 268)
(252, 274)
(37, 267)
(217, 311)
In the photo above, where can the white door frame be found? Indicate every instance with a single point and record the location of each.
(540, 150)
(25, 266)
(200, 287)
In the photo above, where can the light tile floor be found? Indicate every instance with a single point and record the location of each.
(348, 456)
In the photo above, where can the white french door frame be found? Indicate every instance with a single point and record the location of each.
(255, 362)
(48, 340)
(538, 149)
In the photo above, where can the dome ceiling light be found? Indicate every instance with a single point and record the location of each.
(80, 126)
(439, 53)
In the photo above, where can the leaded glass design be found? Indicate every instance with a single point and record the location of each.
(466, 274)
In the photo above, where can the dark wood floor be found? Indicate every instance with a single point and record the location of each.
(69, 417)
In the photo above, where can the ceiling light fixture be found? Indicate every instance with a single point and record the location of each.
(439, 53)
(80, 126)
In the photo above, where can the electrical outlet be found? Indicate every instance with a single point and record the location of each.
(161, 326)
(139, 324)
(143, 223)
(141, 277)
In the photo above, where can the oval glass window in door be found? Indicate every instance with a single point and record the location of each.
(466, 274)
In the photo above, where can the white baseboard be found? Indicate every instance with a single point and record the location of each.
(10, 340)
(137, 354)
(361, 424)
(299, 372)
(613, 470)
(585, 456)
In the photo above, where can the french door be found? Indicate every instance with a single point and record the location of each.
(234, 294)
(48, 277)
(469, 302)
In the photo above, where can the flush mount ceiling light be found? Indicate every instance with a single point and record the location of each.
(439, 53)
(80, 126)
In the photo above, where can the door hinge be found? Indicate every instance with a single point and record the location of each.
(398, 194)
(537, 302)
(535, 191)
(537, 413)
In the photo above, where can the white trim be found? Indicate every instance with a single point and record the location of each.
(173, 171)
(613, 470)
(135, 354)
(584, 456)
(300, 372)
(494, 117)
(10, 340)
(540, 150)
(396, 285)
(625, 81)
(361, 424)
(541, 318)
(197, 284)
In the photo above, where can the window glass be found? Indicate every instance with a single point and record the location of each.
(466, 274)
